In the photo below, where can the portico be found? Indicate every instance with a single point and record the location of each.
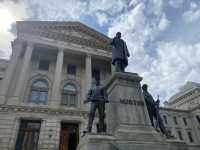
(24, 53)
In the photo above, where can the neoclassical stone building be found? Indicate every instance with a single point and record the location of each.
(44, 84)
(52, 67)
(181, 114)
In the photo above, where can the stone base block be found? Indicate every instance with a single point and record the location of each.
(138, 133)
(96, 142)
(107, 142)
(164, 145)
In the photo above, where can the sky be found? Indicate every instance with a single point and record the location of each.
(163, 36)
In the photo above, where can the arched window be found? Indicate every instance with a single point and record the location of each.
(69, 95)
(39, 91)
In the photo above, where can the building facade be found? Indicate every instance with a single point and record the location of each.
(43, 86)
(181, 113)
(53, 65)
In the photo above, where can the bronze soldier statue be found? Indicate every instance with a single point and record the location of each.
(98, 97)
(153, 110)
(120, 53)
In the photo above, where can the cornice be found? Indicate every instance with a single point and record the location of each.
(50, 111)
(70, 39)
(184, 96)
(69, 25)
(172, 109)
(51, 30)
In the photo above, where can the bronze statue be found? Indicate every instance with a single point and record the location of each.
(120, 53)
(98, 97)
(153, 110)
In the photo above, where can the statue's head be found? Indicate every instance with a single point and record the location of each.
(144, 87)
(118, 35)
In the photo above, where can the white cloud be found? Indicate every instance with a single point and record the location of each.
(176, 63)
(11, 11)
(132, 25)
(164, 23)
(134, 2)
(193, 14)
(137, 29)
(56, 10)
(168, 65)
(102, 18)
(176, 3)
(111, 7)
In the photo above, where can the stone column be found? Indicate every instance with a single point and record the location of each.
(17, 47)
(22, 75)
(88, 72)
(55, 99)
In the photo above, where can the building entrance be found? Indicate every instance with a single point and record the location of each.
(69, 136)
(28, 135)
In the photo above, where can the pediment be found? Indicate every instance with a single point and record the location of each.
(74, 32)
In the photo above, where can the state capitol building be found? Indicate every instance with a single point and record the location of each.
(44, 84)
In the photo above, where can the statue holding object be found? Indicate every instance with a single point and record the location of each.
(153, 110)
(98, 97)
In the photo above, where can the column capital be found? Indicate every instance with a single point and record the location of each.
(88, 55)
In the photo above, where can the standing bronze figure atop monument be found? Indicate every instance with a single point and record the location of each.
(120, 53)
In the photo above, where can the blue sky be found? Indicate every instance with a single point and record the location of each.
(163, 36)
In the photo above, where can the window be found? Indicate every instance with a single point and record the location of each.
(180, 135)
(175, 120)
(165, 119)
(69, 95)
(185, 121)
(44, 65)
(96, 74)
(190, 136)
(39, 92)
(71, 69)
(198, 119)
(28, 135)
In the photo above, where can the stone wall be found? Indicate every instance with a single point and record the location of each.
(51, 120)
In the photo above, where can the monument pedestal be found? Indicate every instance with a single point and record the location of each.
(126, 114)
(128, 120)
(96, 142)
